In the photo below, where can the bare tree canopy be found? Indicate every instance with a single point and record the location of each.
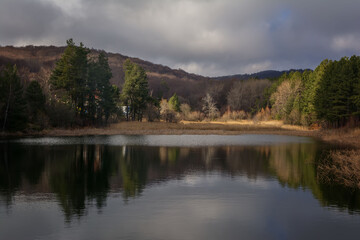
(246, 95)
(209, 107)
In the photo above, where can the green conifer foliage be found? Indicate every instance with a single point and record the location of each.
(71, 74)
(101, 94)
(13, 114)
(174, 103)
(336, 98)
(135, 92)
(86, 84)
(35, 99)
(107, 92)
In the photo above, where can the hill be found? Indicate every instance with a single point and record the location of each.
(37, 63)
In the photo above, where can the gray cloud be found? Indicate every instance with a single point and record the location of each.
(26, 20)
(210, 37)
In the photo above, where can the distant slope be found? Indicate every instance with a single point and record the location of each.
(268, 74)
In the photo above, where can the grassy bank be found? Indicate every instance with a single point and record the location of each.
(183, 127)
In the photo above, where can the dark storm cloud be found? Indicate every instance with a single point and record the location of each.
(210, 37)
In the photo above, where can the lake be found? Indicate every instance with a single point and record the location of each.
(171, 187)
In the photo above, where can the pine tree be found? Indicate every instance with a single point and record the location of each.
(334, 101)
(101, 95)
(107, 92)
(35, 99)
(174, 103)
(135, 92)
(355, 98)
(71, 74)
(311, 86)
(13, 115)
(92, 110)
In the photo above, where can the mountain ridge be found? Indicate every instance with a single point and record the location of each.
(269, 74)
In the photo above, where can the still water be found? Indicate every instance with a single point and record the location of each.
(171, 187)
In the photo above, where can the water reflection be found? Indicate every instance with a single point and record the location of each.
(84, 175)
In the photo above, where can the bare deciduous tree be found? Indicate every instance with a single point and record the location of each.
(185, 111)
(166, 112)
(209, 107)
(245, 95)
(284, 97)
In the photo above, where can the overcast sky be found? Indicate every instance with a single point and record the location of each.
(208, 37)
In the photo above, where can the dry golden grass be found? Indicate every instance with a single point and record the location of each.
(342, 136)
(338, 136)
(183, 127)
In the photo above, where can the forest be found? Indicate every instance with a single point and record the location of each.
(80, 94)
(329, 95)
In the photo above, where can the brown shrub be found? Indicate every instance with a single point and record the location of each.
(234, 115)
(185, 110)
(166, 113)
(152, 113)
(263, 115)
(196, 116)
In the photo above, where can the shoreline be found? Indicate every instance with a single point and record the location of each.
(346, 137)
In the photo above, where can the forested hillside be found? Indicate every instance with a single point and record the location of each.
(78, 86)
(37, 62)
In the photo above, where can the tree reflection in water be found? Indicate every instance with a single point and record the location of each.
(83, 175)
(80, 176)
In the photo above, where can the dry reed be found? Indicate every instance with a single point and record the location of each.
(341, 167)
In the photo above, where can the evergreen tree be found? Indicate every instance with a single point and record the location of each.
(13, 115)
(101, 96)
(355, 98)
(335, 100)
(86, 84)
(311, 86)
(174, 103)
(71, 75)
(107, 93)
(93, 112)
(135, 92)
(35, 99)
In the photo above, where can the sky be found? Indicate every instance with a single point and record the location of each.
(207, 37)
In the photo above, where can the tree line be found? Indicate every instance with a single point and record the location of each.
(329, 95)
(80, 94)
